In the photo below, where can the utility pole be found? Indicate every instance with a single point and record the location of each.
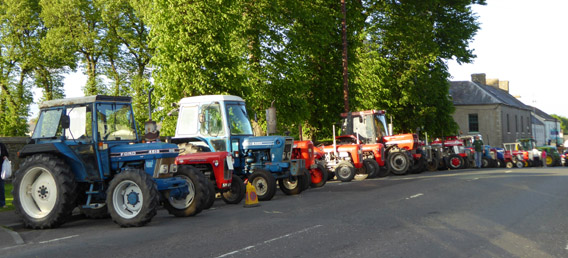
(345, 71)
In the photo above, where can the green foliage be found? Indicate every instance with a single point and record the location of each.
(563, 122)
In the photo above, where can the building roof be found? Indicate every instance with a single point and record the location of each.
(535, 120)
(542, 114)
(472, 93)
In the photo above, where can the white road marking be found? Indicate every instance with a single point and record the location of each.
(508, 171)
(414, 196)
(270, 240)
(58, 239)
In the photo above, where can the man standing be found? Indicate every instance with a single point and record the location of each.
(478, 146)
(3, 156)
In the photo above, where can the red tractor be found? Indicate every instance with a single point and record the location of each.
(217, 167)
(456, 156)
(307, 151)
(396, 154)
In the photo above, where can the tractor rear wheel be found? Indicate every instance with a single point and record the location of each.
(264, 184)
(306, 180)
(44, 191)
(455, 161)
(210, 194)
(132, 198)
(485, 162)
(509, 164)
(345, 171)
(319, 176)
(398, 162)
(376, 168)
(432, 165)
(237, 192)
(194, 202)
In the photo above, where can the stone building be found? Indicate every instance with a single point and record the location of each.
(552, 134)
(485, 107)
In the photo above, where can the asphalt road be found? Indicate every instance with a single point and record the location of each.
(460, 213)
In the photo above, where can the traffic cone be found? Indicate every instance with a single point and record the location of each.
(251, 199)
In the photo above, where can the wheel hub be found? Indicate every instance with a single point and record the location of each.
(133, 198)
(43, 193)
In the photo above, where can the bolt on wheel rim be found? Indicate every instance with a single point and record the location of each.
(38, 193)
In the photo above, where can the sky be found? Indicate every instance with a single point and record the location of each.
(522, 41)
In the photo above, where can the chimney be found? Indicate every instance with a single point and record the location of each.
(478, 77)
(493, 83)
(504, 85)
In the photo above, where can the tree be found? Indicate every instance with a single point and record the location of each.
(403, 62)
(76, 30)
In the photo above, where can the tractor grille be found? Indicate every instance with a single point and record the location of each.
(288, 149)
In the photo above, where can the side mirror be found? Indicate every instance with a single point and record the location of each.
(65, 121)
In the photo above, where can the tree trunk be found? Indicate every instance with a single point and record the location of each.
(345, 71)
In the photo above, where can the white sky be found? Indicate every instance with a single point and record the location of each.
(525, 43)
(522, 41)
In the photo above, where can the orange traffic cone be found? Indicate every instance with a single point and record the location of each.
(251, 199)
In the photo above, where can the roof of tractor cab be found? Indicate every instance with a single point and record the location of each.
(210, 98)
(83, 100)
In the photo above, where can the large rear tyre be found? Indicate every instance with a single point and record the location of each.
(194, 202)
(306, 180)
(455, 161)
(44, 191)
(319, 176)
(132, 198)
(264, 184)
(485, 162)
(345, 171)
(291, 185)
(376, 168)
(432, 165)
(398, 162)
(237, 192)
(210, 195)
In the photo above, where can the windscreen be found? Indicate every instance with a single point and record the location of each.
(239, 123)
(48, 124)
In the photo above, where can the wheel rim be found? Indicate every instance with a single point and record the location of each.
(182, 203)
(509, 164)
(455, 162)
(38, 192)
(232, 195)
(399, 162)
(344, 172)
(127, 199)
(316, 175)
(485, 163)
(548, 160)
(289, 184)
(261, 185)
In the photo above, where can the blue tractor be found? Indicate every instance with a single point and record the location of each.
(221, 121)
(86, 153)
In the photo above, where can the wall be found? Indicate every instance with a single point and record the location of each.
(515, 131)
(489, 121)
(14, 144)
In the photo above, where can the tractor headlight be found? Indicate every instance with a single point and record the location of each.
(163, 169)
(173, 168)
(216, 163)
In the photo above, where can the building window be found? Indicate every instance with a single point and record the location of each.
(522, 125)
(516, 124)
(473, 123)
(508, 124)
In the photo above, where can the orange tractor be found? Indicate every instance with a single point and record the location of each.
(308, 152)
(396, 154)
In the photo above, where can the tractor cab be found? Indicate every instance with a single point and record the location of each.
(368, 126)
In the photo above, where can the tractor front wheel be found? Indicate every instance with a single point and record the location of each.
(195, 201)
(264, 184)
(132, 198)
(376, 168)
(398, 162)
(509, 164)
(44, 191)
(306, 180)
(432, 165)
(211, 194)
(319, 176)
(237, 192)
(291, 185)
(345, 171)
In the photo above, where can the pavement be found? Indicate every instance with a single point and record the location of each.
(10, 223)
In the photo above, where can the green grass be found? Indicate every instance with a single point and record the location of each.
(9, 198)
